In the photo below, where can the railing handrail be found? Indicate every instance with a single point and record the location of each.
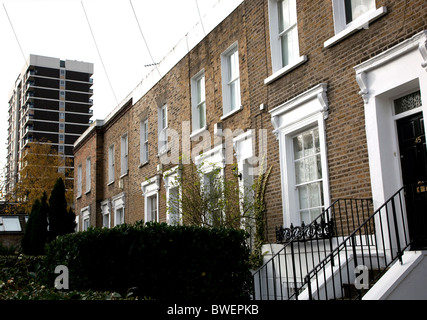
(326, 215)
(292, 241)
(351, 236)
(312, 223)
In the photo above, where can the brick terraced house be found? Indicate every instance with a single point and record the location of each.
(331, 91)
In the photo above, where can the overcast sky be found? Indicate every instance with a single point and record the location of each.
(58, 28)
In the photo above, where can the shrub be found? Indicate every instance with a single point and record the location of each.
(157, 261)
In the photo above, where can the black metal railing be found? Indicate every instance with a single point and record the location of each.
(359, 252)
(283, 276)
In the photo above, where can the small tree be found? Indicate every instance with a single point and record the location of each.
(39, 163)
(61, 219)
(210, 199)
(35, 236)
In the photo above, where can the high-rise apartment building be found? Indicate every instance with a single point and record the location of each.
(50, 101)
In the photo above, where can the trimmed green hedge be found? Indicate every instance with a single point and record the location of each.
(157, 261)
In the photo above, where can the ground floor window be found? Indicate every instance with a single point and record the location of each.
(308, 174)
(151, 215)
(300, 128)
(150, 190)
(118, 204)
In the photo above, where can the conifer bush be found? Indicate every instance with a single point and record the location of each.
(158, 261)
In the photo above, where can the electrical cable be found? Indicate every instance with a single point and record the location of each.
(16, 37)
(143, 38)
(200, 17)
(99, 53)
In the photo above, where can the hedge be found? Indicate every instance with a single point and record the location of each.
(156, 261)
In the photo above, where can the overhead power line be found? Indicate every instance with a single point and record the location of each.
(143, 38)
(16, 37)
(99, 53)
(200, 17)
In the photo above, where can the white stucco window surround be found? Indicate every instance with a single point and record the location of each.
(302, 116)
(243, 147)
(118, 204)
(106, 213)
(392, 74)
(210, 159)
(85, 216)
(173, 193)
(150, 190)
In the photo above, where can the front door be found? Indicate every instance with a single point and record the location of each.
(412, 144)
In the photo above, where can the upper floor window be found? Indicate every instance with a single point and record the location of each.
(79, 180)
(124, 155)
(162, 129)
(111, 164)
(88, 180)
(230, 79)
(284, 33)
(285, 55)
(198, 96)
(143, 141)
(356, 8)
(351, 16)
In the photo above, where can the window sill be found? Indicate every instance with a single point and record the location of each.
(198, 131)
(285, 70)
(88, 191)
(79, 197)
(225, 116)
(361, 23)
(142, 164)
(161, 153)
(110, 183)
(124, 174)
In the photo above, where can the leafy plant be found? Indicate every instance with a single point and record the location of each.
(156, 260)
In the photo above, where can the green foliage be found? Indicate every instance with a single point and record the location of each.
(211, 199)
(35, 236)
(53, 216)
(20, 280)
(156, 260)
(61, 220)
(256, 258)
(7, 250)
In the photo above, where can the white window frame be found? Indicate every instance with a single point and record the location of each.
(111, 164)
(85, 214)
(88, 174)
(279, 69)
(227, 81)
(118, 204)
(162, 129)
(79, 180)
(305, 111)
(150, 188)
(198, 102)
(143, 136)
(344, 29)
(171, 182)
(124, 155)
(106, 213)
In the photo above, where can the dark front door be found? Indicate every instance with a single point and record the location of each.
(412, 144)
